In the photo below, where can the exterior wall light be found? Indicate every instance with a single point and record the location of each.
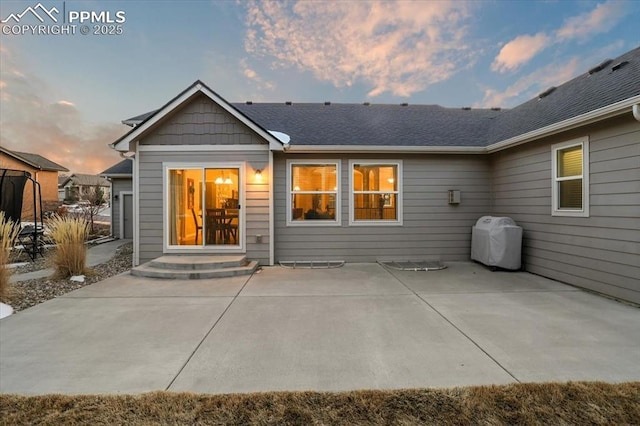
(258, 175)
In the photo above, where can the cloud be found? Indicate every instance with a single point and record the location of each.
(601, 19)
(32, 121)
(531, 84)
(397, 47)
(523, 48)
(519, 51)
(253, 76)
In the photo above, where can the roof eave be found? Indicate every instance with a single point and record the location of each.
(599, 114)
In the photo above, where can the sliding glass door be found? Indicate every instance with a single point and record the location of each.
(203, 207)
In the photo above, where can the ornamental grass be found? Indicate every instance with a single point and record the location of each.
(8, 234)
(69, 235)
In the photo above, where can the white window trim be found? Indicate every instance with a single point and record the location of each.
(175, 249)
(399, 220)
(338, 214)
(583, 142)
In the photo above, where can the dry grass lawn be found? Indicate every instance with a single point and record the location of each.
(547, 403)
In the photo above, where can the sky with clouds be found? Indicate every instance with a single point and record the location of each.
(63, 95)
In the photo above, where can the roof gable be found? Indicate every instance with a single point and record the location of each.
(154, 118)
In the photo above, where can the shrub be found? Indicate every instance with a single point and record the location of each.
(8, 233)
(70, 255)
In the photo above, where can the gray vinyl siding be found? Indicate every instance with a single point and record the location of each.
(202, 122)
(431, 227)
(600, 252)
(117, 185)
(152, 204)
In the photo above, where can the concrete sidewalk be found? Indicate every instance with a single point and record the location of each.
(96, 255)
(356, 327)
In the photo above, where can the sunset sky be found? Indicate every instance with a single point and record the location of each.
(63, 96)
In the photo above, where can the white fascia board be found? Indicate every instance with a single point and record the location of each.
(196, 148)
(571, 123)
(123, 145)
(385, 149)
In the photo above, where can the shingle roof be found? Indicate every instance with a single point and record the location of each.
(583, 94)
(125, 167)
(36, 161)
(433, 125)
(377, 125)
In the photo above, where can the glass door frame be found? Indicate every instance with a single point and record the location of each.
(167, 167)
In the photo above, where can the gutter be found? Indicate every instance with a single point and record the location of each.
(385, 149)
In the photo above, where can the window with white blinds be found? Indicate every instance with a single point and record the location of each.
(570, 168)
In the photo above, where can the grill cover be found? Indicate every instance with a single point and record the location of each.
(497, 241)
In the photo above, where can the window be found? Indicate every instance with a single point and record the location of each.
(570, 168)
(375, 192)
(314, 192)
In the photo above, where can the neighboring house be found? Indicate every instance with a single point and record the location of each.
(120, 177)
(82, 186)
(43, 171)
(61, 191)
(362, 182)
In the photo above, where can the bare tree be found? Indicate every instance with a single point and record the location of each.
(92, 203)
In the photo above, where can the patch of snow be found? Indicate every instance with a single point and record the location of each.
(17, 265)
(5, 310)
(77, 278)
(282, 137)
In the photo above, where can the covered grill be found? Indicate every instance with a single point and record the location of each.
(497, 241)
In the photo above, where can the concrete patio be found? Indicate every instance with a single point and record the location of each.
(356, 327)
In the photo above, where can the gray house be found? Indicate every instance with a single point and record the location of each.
(358, 182)
(78, 186)
(120, 177)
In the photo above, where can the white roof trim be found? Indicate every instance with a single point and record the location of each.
(386, 149)
(571, 123)
(203, 148)
(123, 144)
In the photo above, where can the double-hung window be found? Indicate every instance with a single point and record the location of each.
(570, 176)
(313, 188)
(376, 196)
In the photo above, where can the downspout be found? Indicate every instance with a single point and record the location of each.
(636, 111)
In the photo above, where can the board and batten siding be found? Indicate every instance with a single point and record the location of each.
(431, 228)
(152, 201)
(600, 252)
(117, 185)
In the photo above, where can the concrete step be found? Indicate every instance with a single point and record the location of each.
(146, 270)
(199, 262)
